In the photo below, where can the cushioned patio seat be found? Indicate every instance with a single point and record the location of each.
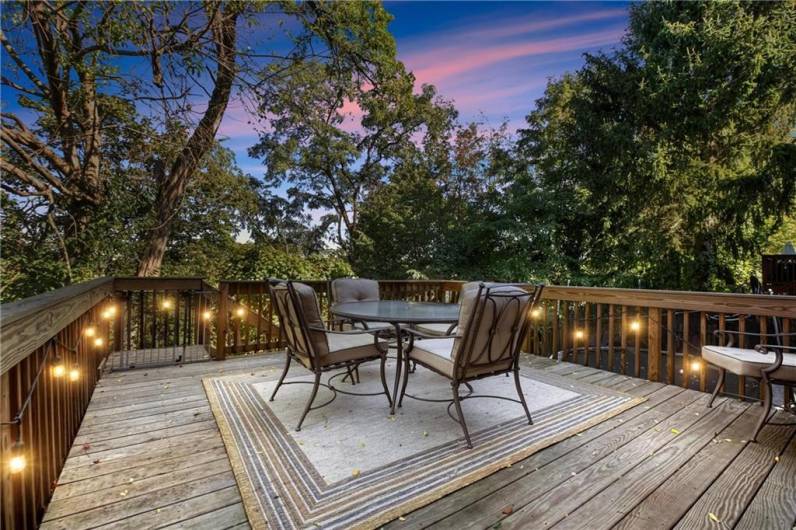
(746, 362)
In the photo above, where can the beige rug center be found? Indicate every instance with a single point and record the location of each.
(355, 434)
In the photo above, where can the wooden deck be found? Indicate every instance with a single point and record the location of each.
(149, 455)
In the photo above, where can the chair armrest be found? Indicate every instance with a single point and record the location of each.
(422, 335)
(349, 332)
(765, 349)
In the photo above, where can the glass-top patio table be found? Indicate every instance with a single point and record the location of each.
(398, 313)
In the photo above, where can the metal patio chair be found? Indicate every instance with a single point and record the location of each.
(317, 348)
(770, 363)
(494, 320)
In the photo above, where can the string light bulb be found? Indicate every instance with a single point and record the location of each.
(17, 462)
(58, 369)
(207, 315)
(536, 313)
(166, 304)
(90, 331)
(240, 311)
(578, 333)
(635, 325)
(695, 366)
(74, 374)
(109, 312)
(98, 342)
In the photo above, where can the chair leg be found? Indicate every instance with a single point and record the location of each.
(312, 398)
(719, 386)
(766, 408)
(457, 403)
(405, 380)
(521, 395)
(281, 377)
(384, 380)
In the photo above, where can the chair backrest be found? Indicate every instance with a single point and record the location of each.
(354, 290)
(493, 321)
(299, 318)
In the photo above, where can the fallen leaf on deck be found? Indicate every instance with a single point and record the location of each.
(86, 446)
(675, 431)
(355, 473)
(713, 517)
(508, 510)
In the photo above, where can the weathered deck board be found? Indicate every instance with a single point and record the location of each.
(148, 454)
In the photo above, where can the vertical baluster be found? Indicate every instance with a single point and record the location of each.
(586, 333)
(763, 340)
(154, 319)
(566, 339)
(637, 344)
(598, 337)
(703, 340)
(259, 313)
(788, 388)
(221, 321)
(670, 353)
(653, 343)
(686, 348)
(554, 332)
(623, 340)
(611, 327)
(741, 344)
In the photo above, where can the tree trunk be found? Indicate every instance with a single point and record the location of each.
(172, 186)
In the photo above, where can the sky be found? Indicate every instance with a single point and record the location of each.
(493, 59)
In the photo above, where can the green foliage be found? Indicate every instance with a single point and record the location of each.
(669, 162)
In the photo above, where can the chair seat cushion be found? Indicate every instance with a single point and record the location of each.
(436, 329)
(434, 353)
(438, 354)
(743, 361)
(344, 347)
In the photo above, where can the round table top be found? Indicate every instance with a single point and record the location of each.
(398, 311)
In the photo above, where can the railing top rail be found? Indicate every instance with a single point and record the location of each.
(27, 324)
(135, 283)
(747, 304)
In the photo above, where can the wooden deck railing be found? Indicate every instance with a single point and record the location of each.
(657, 335)
(54, 344)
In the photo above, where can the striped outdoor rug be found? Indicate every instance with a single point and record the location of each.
(354, 466)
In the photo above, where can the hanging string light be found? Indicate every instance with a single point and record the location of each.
(536, 313)
(166, 304)
(635, 326)
(58, 368)
(90, 331)
(240, 311)
(207, 315)
(74, 373)
(579, 334)
(17, 461)
(98, 342)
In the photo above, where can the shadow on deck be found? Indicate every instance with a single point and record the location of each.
(149, 454)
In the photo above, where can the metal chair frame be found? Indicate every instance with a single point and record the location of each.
(316, 367)
(465, 355)
(766, 378)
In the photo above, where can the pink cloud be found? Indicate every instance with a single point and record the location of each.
(528, 26)
(441, 64)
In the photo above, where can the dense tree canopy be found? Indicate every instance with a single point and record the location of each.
(669, 162)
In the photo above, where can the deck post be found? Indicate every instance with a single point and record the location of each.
(222, 321)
